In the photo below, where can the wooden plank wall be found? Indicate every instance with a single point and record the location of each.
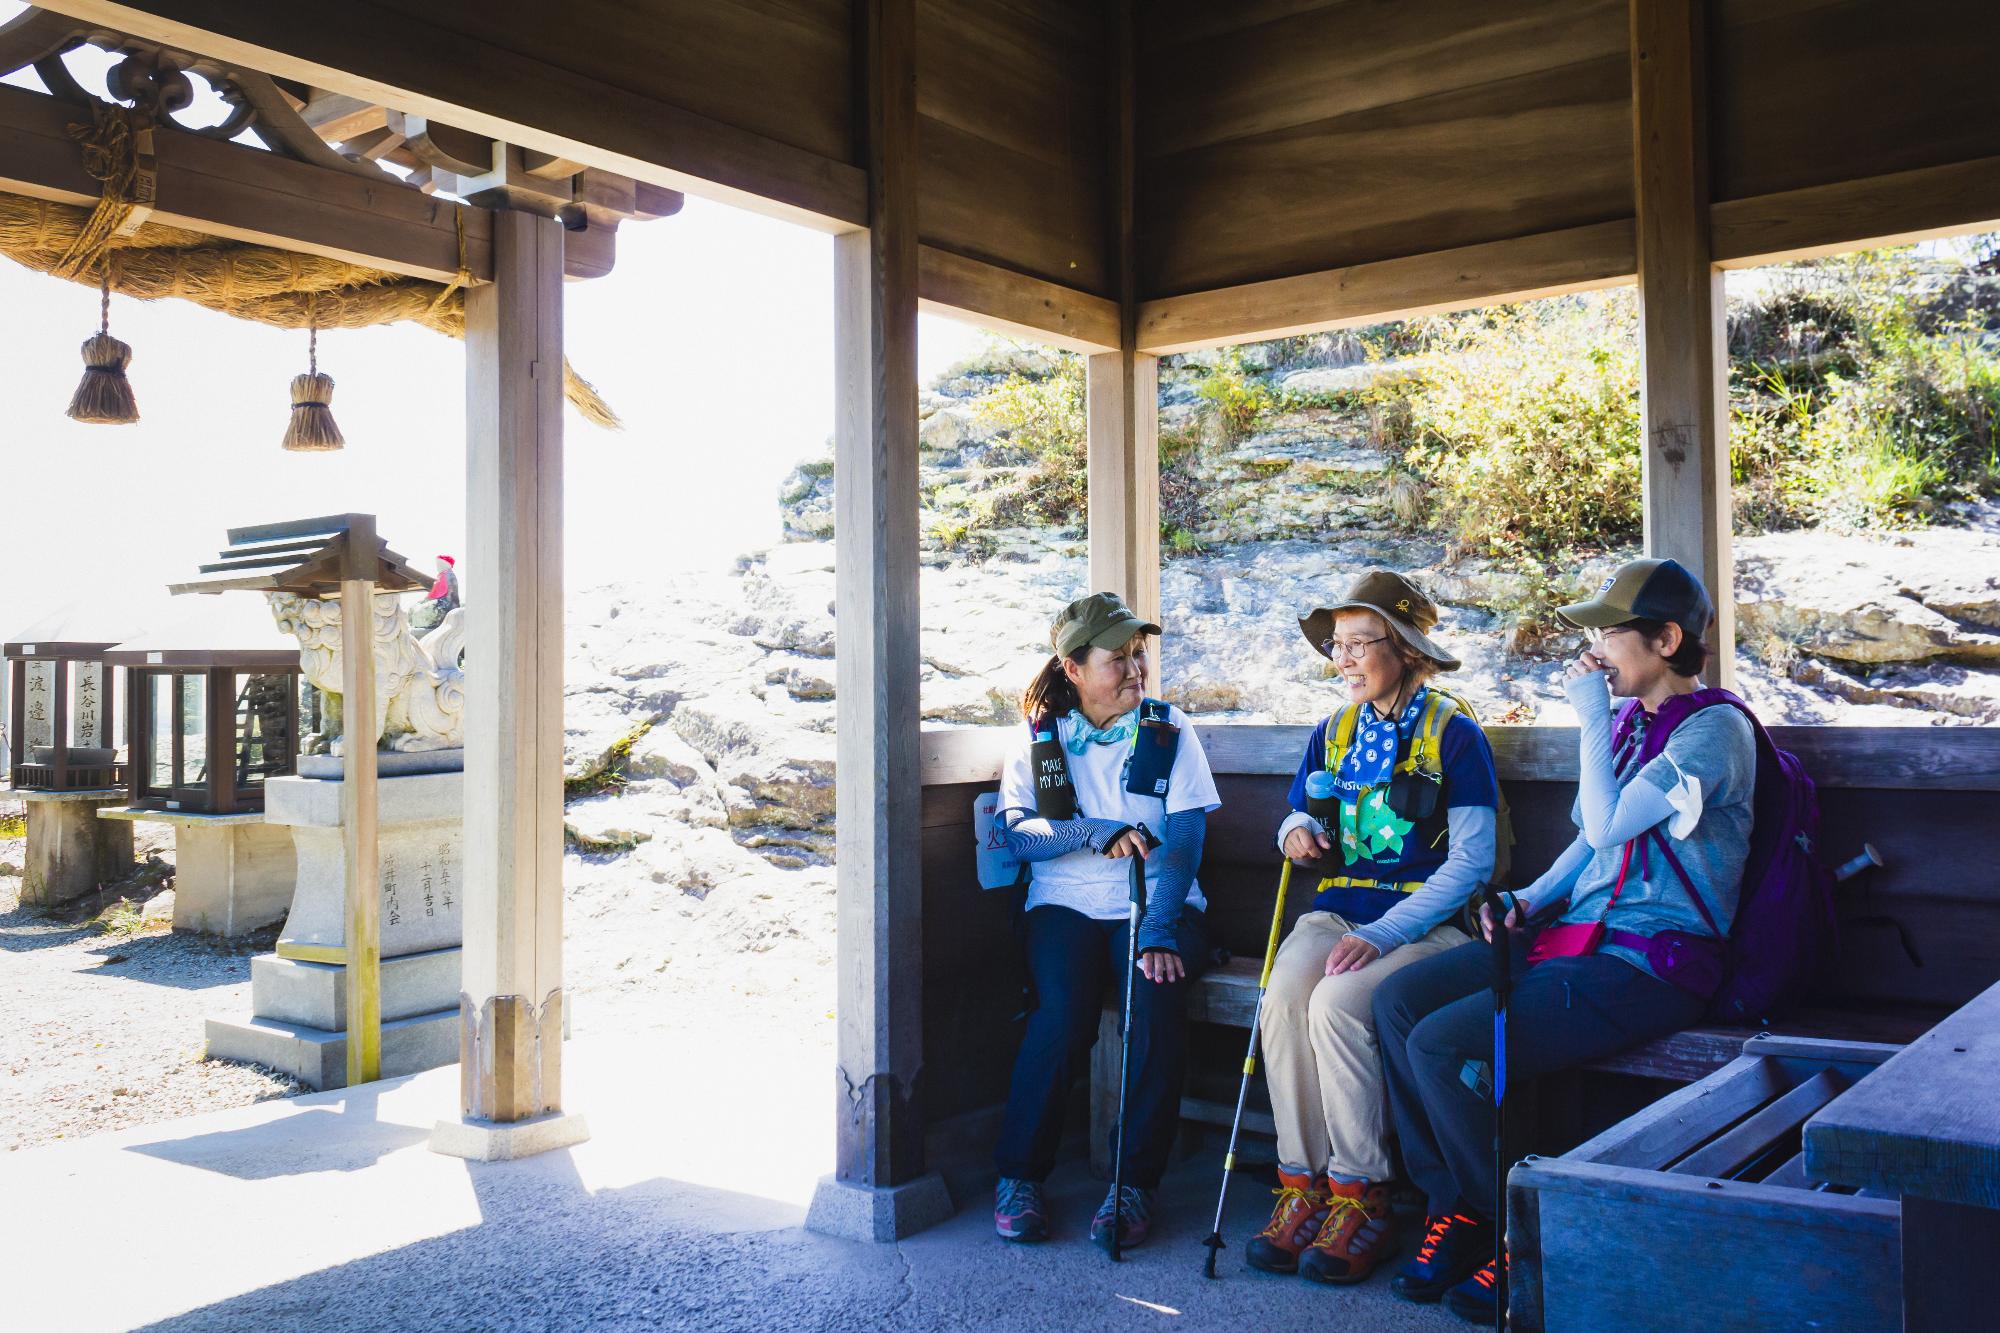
(1940, 883)
(973, 976)
(1808, 92)
(1278, 138)
(1287, 137)
(1013, 120)
(782, 69)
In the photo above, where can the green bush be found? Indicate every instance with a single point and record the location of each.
(1236, 397)
(1524, 422)
(1866, 388)
(1043, 418)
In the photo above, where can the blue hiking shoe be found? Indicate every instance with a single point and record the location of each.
(1454, 1246)
(1018, 1214)
(1134, 1214)
(1475, 1298)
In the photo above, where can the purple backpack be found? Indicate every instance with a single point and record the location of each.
(1786, 927)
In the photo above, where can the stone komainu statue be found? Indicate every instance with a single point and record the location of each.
(419, 682)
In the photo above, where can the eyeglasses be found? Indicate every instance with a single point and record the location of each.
(1352, 650)
(1597, 634)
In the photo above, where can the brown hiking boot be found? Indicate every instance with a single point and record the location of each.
(1360, 1232)
(1294, 1222)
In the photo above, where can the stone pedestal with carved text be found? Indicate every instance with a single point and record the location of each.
(297, 995)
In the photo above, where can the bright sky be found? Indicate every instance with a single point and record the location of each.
(713, 339)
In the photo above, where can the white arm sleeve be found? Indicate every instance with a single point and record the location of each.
(1611, 815)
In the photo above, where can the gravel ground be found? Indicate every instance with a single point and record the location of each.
(104, 1029)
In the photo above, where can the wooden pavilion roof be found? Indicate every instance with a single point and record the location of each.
(1198, 173)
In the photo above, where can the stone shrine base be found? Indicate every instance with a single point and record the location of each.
(232, 873)
(70, 852)
(298, 996)
(298, 1019)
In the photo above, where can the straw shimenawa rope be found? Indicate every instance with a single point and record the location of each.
(277, 287)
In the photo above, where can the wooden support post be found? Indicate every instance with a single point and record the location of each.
(1123, 412)
(1123, 389)
(879, 1190)
(1683, 356)
(510, 1045)
(358, 808)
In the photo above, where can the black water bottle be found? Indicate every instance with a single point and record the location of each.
(1055, 795)
(1320, 801)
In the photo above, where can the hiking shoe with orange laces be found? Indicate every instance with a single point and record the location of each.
(1360, 1232)
(1300, 1212)
(1454, 1246)
(1476, 1297)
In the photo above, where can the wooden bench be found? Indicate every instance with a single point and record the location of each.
(1228, 996)
(1929, 798)
(1703, 1199)
(1924, 1129)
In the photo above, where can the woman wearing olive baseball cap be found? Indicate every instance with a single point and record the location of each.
(1101, 774)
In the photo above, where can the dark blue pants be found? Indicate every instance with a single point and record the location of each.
(1435, 1022)
(1075, 962)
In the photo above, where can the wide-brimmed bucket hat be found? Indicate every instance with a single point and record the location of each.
(1403, 606)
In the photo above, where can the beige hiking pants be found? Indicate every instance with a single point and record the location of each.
(1319, 1051)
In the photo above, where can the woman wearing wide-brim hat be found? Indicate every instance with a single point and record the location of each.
(1395, 803)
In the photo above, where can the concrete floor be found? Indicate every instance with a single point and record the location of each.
(329, 1211)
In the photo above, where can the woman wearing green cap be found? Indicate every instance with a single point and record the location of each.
(1396, 800)
(1098, 775)
(1652, 834)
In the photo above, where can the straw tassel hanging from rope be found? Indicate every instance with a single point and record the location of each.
(312, 428)
(105, 395)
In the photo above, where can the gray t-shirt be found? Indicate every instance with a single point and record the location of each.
(1717, 748)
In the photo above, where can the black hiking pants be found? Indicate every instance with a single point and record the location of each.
(1434, 1020)
(1077, 964)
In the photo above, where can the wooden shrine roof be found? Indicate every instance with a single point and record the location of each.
(309, 556)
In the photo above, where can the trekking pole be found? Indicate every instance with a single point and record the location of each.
(1135, 908)
(1503, 985)
(1214, 1241)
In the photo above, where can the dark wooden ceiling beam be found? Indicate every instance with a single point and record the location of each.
(1895, 209)
(247, 194)
(375, 54)
(1548, 264)
(1015, 303)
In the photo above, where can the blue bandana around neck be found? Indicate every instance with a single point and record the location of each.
(1370, 760)
(1083, 735)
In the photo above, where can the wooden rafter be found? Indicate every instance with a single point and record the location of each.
(230, 190)
(261, 196)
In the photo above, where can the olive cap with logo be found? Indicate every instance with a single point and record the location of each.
(1403, 606)
(1649, 589)
(1101, 620)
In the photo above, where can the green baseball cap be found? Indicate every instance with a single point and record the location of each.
(1101, 620)
(1650, 589)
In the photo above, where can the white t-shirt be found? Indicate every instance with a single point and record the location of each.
(1089, 882)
